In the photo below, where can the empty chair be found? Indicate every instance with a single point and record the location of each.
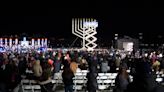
(33, 82)
(29, 71)
(98, 77)
(78, 74)
(78, 87)
(36, 88)
(102, 87)
(113, 83)
(53, 81)
(25, 82)
(159, 80)
(99, 81)
(57, 78)
(114, 74)
(108, 74)
(157, 72)
(27, 88)
(103, 77)
(108, 81)
(79, 77)
(101, 74)
(162, 75)
(84, 71)
(131, 78)
(79, 81)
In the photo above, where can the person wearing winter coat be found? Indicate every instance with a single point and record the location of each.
(92, 84)
(37, 69)
(73, 66)
(122, 80)
(118, 61)
(67, 76)
(143, 80)
(45, 80)
(104, 66)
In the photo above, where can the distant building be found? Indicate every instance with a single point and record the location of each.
(127, 43)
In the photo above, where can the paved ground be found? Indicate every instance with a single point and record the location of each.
(85, 91)
(61, 89)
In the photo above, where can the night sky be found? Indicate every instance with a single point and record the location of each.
(56, 22)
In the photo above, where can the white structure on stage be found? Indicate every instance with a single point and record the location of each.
(15, 44)
(86, 29)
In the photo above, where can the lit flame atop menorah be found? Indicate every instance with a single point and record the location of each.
(85, 29)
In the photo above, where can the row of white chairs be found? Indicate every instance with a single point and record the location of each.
(104, 80)
(80, 79)
(30, 86)
(27, 81)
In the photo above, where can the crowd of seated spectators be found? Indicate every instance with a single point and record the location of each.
(13, 68)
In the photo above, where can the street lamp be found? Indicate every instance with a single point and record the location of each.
(115, 40)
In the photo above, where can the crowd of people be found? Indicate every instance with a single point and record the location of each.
(143, 68)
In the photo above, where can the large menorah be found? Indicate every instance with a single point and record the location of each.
(85, 29)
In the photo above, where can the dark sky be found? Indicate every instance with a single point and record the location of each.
(56, 22)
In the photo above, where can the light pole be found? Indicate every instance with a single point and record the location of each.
(140, 40)
(115, 40)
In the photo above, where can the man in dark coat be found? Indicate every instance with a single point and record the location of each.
(143, 80)
(92, 75)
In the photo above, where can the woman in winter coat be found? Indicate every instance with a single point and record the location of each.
(37, 69)
(122, 80)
